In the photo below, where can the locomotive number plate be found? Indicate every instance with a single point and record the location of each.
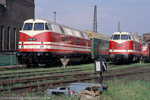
(31, 39)
(120, 45)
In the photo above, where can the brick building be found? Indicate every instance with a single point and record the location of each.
(12, 15)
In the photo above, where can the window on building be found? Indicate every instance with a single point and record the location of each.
(39, 26)
(8, 38)
(28, 26)
(48, 26)
(14, 39)
(1, 32)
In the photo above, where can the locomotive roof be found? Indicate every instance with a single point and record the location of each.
(121, 33)
(77, 33)
(134, 37)
(46, 21)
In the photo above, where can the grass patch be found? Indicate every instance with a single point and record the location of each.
(128, 88)
(130, 65)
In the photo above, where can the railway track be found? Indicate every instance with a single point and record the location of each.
(108, 75)
(56, 77)
(36, 70)
(21, 75)
(12, 67)
(48, 72)
(23, 67)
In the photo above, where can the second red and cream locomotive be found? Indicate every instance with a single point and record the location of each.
(124, 47)
(145, 51)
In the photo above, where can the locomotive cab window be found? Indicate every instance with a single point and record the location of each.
(28, 26)
(116, 37)
(129, 37)
(144, 44)
(39, 26)
(124, 37)
(48, 26)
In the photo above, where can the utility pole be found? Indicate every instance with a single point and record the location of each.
(118, 26)
(95, 19)
(54, 17)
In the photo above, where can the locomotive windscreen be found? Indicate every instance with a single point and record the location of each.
(27, 26)
(39, 26)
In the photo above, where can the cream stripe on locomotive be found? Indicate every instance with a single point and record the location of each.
(120, 50)
(124, 51)
(55, 43)
(51, 47)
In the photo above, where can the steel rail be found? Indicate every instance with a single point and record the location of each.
(66, 82)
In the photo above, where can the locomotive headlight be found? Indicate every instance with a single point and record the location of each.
(127, 49)
(47, 54)
(112, 56)
(18, 54)
(113, 49)
(41, 47)
(38, 54)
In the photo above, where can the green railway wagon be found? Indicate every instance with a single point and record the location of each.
(99, 45)
(8, 59)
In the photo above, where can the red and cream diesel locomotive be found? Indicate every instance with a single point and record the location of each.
(124, 47)
(146, 51)
(45, 42)
(146, 47)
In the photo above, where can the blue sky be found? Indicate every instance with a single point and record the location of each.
(134, 15)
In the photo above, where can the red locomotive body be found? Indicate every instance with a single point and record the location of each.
(43, 42)
(146, 51)
(124, 47)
